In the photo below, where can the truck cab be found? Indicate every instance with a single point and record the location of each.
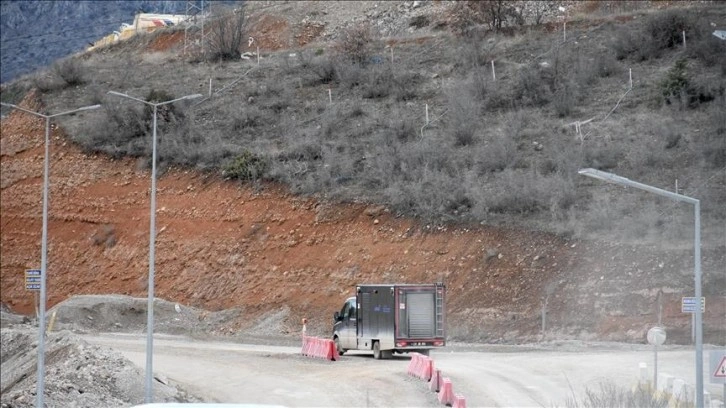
(345, 327)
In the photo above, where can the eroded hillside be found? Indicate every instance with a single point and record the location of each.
(266, 252)
(272, 255)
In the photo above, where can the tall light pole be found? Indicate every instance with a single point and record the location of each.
(44, 246)
(152, 240)
(612, 178)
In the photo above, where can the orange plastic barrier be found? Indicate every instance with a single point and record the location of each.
(421, 366)
(435, 381)
(446, 394)
(319, 348)
(459, 402)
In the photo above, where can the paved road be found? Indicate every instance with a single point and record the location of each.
(509, 377)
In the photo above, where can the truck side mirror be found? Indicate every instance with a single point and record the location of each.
(335, 316)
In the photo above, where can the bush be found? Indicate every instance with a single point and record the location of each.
(676, 80)
(225, 36)
(245, 167)
(70, 71)
(610, 395)
(661, 31)
(710, 50)
(356, 44)
(713, 145)
(521, 192)
(324, 69)
(529, 88)
(666, 29)
(419, 21)
(565, 98)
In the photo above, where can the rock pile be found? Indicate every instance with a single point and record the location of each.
(77, 374)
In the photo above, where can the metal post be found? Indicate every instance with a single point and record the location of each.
(40, 391)
(494, 75)
(612, 178)
(655, 368)
(150, 300)
(699, 314)
(43, 272)
(152, 241)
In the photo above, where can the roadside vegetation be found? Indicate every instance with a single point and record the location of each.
(513, 112)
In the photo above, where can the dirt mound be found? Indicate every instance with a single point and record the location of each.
(118, 313)
(77, 374)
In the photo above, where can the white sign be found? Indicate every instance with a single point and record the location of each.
(656, 336)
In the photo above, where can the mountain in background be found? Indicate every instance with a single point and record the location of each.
(34, 33)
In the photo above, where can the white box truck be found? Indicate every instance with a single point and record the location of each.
(392, 318)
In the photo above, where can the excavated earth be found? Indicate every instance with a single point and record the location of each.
(263, 253)
(250, 261)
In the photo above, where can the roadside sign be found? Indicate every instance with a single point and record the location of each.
(688, 305)
(656, 336)
(32, 279)
(717, 363)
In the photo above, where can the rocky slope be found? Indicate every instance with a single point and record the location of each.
(271, 255)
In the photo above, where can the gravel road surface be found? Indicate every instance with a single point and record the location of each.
(488, 377)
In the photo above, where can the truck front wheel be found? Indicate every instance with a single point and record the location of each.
(377, 350)
(340, 350)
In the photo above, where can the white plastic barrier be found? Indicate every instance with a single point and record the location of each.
(643, 376)
(665, 383)
(682, 392)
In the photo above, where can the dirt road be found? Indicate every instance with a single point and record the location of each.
(232, 372)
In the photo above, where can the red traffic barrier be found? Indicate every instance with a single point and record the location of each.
(435, 381)
(319, 348)
(459, 402)
(420, 366)
(446, 393)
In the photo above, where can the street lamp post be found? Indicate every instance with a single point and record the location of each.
(44, 245)
(612, 178)
(152, 240)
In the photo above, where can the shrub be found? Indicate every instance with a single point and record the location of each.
(602, 157)
(676, 80)
(419, 21)
(520, 192)
(356, 44)
(609, 395)
(350, 74)
(463, 114)
(565, 98)
(529, 88)
(324, 69)
(660, 32)
(225, 36)
(710, 50)
(606, 65)
(70, 70)
(713, 145)
(666, 29)
(246, 167)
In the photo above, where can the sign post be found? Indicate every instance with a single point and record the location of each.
(656, 336)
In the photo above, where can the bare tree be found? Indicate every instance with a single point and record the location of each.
(225, 36)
